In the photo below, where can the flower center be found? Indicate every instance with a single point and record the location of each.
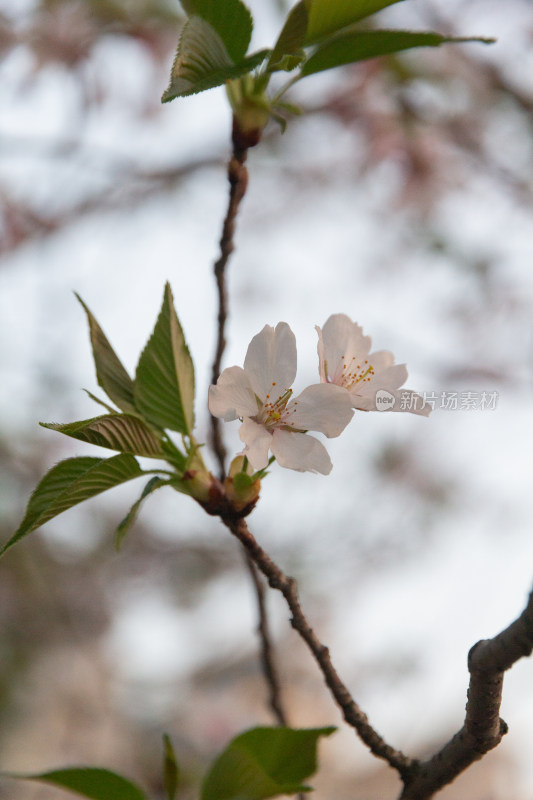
(274, 412)
(353, 373)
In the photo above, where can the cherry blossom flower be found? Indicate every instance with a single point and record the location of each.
(372, 380)
(260, 395)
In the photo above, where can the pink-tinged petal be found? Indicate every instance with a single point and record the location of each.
(233, 395)
(323, 407)
(340, 343)
(271, 360)
(390, 378)
(322, 360)
(393, 400)
(411, 402)
(300, 452)
(381, 359)
(363, 403)
(258, 441)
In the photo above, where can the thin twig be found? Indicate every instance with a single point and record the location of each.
(353, 715)
(238, 180)
(268, 664)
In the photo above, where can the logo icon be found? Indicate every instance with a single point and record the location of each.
(384, 400)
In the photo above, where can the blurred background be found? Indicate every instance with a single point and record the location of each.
(403, 197)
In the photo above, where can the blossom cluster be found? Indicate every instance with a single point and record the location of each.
(260, 393)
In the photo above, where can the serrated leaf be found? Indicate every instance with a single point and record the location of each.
(92, 782)
(164, 381)
(111, 375)
(230, 19)
(171, 771)
(329, 16)
(124, 526)
(264, 762)
(120, 432)
(71, 482)
(292, 35)
(355, 46)
(203, 62)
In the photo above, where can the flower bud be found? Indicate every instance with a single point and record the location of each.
(251, 110)
(242, 491)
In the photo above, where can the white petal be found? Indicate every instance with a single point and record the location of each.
(381, 359)
(340, 342)
(300, 452)
(322, 371)
(232, 396)
(407, 400)
(390, 378)
(258, 441)
(392, 400)
(323, 407)
(271, 360)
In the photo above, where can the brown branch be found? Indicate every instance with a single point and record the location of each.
(268, 664)
(483, 729)
(353, 715)
(488, 660)
(238, 180)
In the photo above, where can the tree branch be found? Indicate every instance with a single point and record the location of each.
(488, 660)
(268, 664)
(353, 715)
(483, 729)
(238, 180)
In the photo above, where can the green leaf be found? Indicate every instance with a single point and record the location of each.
(97, 784)
(292, 36)
(164, 382)
(230, 19)
(120, 432)
(110, 373)
(329, 16)
(203, 61)
(171, 771)
(71, 482)
(122, 529)
(264, 762)
(354, 46)
(242, 481)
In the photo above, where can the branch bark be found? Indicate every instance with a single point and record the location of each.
(352, 713)
(238, 180)
(483, 729)
(267, 651)
(488, 660)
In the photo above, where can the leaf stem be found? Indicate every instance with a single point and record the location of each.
(285, 88)
(159, 472)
